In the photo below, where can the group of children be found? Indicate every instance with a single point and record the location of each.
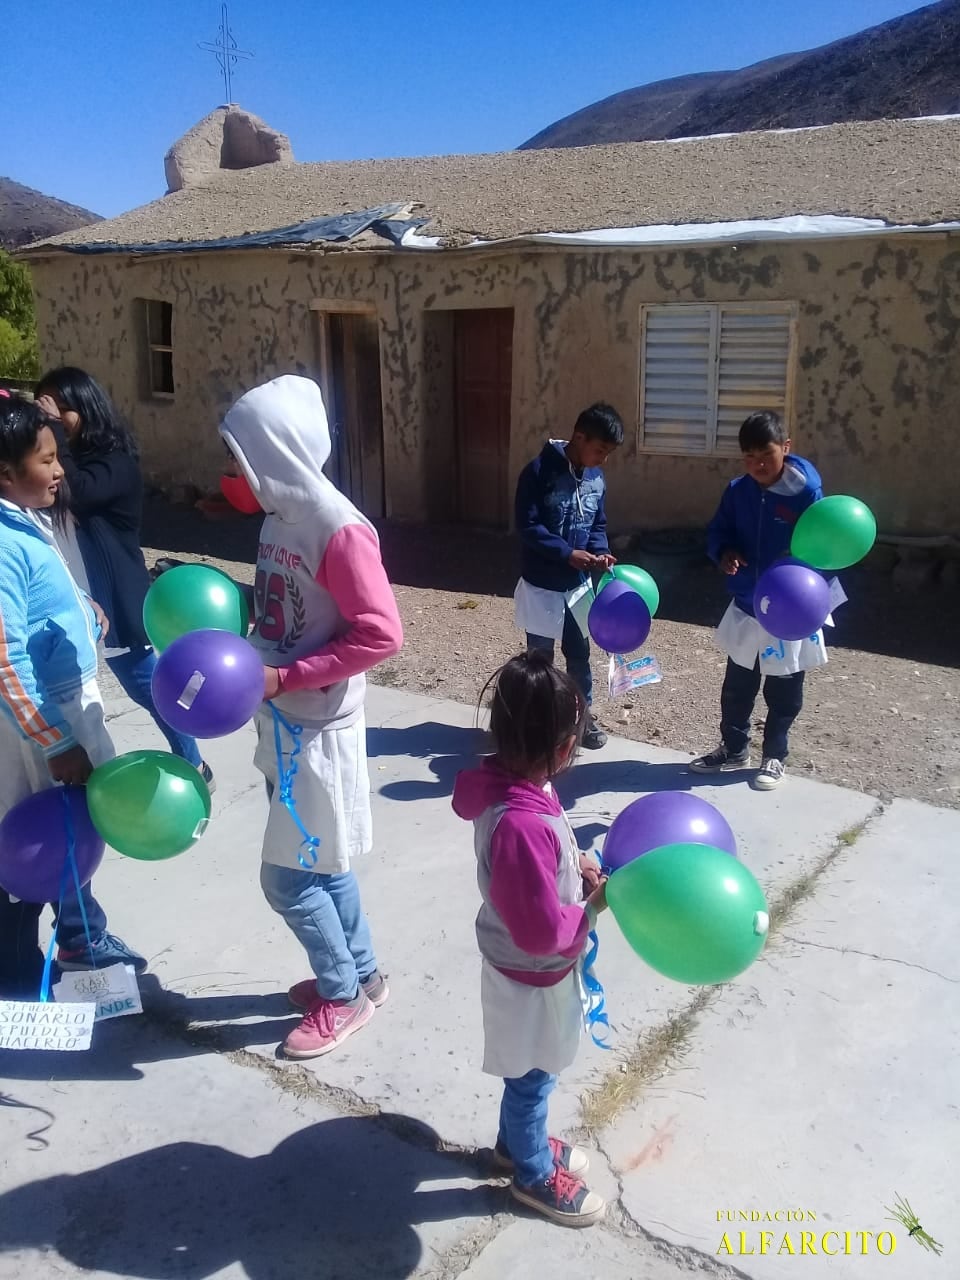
(325, 614)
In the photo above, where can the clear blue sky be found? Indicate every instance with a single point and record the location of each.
(108, 85)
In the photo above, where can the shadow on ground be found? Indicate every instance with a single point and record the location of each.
(339, 1198)
(448, 748)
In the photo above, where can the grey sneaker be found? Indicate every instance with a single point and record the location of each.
(304, 994)
(721, 761)
(107, 949)
(770, 775)
(593, 736)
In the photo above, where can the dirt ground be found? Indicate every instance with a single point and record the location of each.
(882, 716)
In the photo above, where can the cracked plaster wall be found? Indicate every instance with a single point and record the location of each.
(876, 398)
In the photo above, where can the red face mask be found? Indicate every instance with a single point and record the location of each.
(237, 491)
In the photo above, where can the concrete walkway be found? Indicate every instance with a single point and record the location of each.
(819, 1084)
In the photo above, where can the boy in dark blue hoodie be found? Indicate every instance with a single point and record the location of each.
(562, 523)
(752, 528)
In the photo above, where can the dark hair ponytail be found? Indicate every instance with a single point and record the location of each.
(534, 710)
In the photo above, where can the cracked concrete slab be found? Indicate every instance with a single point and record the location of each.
(527, 1250)
(203, 1131)
(213, 939)
(825, 1081)
(193, 1166)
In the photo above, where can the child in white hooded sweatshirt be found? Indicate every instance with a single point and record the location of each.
(325, 614)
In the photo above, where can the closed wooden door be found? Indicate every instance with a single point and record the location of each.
(483, 364)
(352, 386)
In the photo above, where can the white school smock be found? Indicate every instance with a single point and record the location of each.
(529, 1028)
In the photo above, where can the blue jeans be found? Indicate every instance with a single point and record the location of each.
(325, 916)
(523, 1126)
(135, 670)
(575, 647)
(71, 934)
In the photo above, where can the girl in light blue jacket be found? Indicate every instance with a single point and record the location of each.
(51, 715)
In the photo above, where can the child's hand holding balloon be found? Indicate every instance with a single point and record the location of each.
(598, 899)
(590, 871)
(72, 767)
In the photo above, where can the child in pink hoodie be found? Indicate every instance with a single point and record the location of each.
(325, 614)
(532, 927)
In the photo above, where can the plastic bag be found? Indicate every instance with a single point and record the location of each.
(625, 675)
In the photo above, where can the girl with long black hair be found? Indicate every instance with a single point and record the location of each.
(100, 458)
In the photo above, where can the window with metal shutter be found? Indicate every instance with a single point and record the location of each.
(706, 368)
(753, 362)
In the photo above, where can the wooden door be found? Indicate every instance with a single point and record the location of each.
(483, 362)
(352, 392)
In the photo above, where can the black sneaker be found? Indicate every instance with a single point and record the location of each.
(563, 1198)
(206, 773)
(593, 736)
(721, 760)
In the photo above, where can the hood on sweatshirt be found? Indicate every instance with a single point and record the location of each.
(798, 474)
(476, 790)
(279, 436)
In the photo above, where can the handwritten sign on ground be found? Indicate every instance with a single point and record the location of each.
(61, 1027)
(113, 990)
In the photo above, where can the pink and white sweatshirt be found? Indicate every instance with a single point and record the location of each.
(325, 612)
(532, 925)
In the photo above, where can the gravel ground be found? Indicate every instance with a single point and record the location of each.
(882, 716)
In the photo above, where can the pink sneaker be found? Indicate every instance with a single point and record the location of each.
(303, 994)
(326, 1024)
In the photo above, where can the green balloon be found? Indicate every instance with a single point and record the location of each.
(193, 597)
(834, 533)
(637, 578)
(692, 912)
(149, 805)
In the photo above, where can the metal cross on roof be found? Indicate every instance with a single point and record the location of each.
(227, 52)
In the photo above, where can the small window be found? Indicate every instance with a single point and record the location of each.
(706, 368)
(159, 349)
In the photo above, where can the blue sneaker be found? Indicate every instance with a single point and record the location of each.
(107, 949)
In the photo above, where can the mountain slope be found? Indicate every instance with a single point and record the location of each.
(909, 66)
(27, 215)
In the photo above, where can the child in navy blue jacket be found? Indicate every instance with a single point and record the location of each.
(562, 523)
(752, 528)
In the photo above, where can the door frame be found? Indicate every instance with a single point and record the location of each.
(322, 310)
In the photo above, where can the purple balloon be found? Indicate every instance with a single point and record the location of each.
(665, 817)
(208, 683)
(619, 619)
(33, 844)
(792, 601)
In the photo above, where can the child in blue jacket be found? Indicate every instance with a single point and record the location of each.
(51, 717)
(752, 528)
(562, 523)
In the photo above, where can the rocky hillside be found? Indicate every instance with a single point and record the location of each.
(27, 215)
(909, 66)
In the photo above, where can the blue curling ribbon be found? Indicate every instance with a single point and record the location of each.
(285, 777)
(69, 866)
(596, 1009)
